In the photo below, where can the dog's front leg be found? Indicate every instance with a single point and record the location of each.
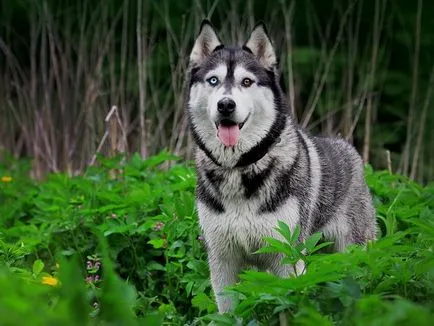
(224, 272)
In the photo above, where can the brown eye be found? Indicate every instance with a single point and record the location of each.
(247, 82)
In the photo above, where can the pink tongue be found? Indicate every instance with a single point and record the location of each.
(228, 134)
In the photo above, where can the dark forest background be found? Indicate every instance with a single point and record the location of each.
(363, 69)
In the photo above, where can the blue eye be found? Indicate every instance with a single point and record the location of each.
(213, 81)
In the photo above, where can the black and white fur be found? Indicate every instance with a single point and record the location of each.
(276, 171)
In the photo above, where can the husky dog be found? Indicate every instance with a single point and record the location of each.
(256, 166)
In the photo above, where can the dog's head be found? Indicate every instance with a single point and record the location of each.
(234, 99)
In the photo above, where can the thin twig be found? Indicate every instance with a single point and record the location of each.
(414, 90)
(389, 161)
(328, 63)
(421, 128)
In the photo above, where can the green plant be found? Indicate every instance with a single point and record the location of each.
(121, 244)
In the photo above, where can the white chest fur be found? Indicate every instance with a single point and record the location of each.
(241, 227)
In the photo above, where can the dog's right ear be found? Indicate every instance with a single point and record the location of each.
(206, 42)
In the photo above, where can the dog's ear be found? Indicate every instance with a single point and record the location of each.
(206, 42)
(260, 45)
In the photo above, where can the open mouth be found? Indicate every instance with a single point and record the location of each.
(229, 123)
(228, 131)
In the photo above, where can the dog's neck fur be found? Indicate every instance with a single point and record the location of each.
(265, 146)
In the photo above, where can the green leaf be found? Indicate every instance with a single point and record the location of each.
(221, 319)
(284, 230)
(203, 302)
(276, 243)
(153, 319)
(72, 291)
(320, 246)
(198, 266)
(311, 241)
(264, 250)
(154, 266)
(157, 243)
(113, 310)
(295, 234)
(120, 229)
(289, 260)
(38, 266)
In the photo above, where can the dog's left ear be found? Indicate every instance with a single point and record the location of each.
(206, 42)
(260, 45)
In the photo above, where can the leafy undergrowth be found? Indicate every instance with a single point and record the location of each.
(120, 245)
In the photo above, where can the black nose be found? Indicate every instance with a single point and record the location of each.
(226, 106)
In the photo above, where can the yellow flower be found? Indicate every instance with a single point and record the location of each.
(6, 178)
(50, 280)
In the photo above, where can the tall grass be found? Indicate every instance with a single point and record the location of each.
(63, 66)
